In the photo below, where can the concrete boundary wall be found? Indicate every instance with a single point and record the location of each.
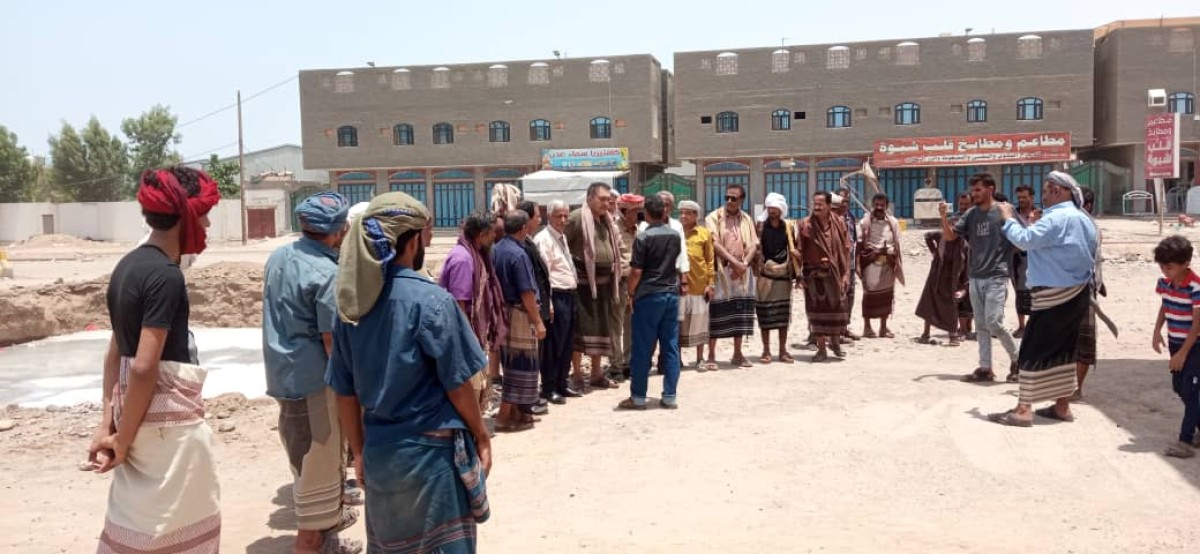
(114, 221)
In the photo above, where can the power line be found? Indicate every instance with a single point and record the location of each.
(234, 105)
(195, 158)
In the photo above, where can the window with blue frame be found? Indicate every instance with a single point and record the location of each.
(453, 201)
(837, 117)
(498, 131)
(721, 175)
(443, 133)
(781, 120)
(908, 113)
(355, 187)
(976, 111)
(901, 187)
(347, 136)
(1029, 109)
(727, 122)
(830, 180)
(793, 185)
(411, 183)
(1033, 175)
(600, 128)
(539, 130)
(1181, 102)
(402, 134)
(954, 180)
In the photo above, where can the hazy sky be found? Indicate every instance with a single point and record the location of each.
(68, 60)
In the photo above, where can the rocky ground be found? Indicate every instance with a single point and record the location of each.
(883, 452)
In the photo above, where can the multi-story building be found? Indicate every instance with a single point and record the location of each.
(928, 111)
(1147, 67)
(450, 133)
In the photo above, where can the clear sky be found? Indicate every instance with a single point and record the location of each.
(66, 60)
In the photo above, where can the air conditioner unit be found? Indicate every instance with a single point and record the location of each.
(1156, 98)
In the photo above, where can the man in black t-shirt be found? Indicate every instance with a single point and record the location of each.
(150, 383)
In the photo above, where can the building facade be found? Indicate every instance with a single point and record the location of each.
(797, 119)
(1134, 61)
(448, 134)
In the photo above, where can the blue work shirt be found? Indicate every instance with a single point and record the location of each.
(403, 357)
(1061, 246)
(514, 270)
(299, 303)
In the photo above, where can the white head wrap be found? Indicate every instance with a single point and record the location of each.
(774, 200)
(1065, 180)
(356, 211)
(689, 205)
(837, 199)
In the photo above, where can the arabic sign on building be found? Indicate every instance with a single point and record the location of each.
(1010, 148)
(1162, 146)
(585, 159)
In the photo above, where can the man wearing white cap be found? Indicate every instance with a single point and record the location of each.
(778, 267)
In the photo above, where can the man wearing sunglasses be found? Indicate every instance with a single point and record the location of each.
(731, 313)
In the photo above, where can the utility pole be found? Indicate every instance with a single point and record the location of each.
(241, 167)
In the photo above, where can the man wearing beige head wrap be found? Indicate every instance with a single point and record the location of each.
(403, 356)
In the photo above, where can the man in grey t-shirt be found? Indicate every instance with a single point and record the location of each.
(990, 252)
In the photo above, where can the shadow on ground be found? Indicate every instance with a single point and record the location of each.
(284, 518)
(1136, 395)
(272, 545)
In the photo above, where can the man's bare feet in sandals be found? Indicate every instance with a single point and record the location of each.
(886, 333)
(711, 365)
(740, 361)
(786, 358)
(980, 375)
(821, 356)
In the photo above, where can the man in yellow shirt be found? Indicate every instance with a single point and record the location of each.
(694, 305)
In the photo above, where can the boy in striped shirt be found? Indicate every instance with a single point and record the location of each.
(1180, 311)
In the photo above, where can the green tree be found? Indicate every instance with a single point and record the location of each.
(89, 166)
(152, 138)
(16, 173)
(226, 174)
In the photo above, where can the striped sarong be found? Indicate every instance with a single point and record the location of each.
(519, 356)
(165, 497)
(312, 438)
(774, 305)
(1085, 350)
(825, 303)
(594, 318)
(879, 288)
(1047, 357)
(731, 312)
(426, 493)
(694, 329)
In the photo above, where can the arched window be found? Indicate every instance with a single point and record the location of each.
(976, 50)
(1029, 47)
(598, 71)
(1181, 102)
(976, 111)
(908, 53)
(781, 120)
(837, 117)
(402, 79)
(539, 130)
(343, 81)
(402, 134)
(443, 133)
(347, 136)
(1029, 109)
(601, 128)
(441, 77)
(780, 61)
(727, 122)
(837, 57)
(727, 63)
(539, 73)
(908, 113)
(498, 131)
(497, 75)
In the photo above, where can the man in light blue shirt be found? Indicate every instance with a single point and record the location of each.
(1062, 260)
(299, 312)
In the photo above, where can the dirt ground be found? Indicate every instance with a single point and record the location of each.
(883, 452)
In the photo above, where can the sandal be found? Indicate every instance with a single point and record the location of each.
(513, 427)
(764, 359)
(820, 356)
(1013, 377)
(925, 340)
(740, 361)
(629, 404)
(868, 334)
(786, 358)
(1180, 450)
(980, 376)
(1050, 413)
(337, 545)
(603, 383)
(711, 366)
(348, 518)
(837, 350)
(1009, 419)
(887, 334)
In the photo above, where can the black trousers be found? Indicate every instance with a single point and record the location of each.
(558, 344)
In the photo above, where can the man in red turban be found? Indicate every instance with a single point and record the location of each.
(152, 434)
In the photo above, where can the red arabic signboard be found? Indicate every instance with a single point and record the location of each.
(1008, 148)
(1162, 146)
